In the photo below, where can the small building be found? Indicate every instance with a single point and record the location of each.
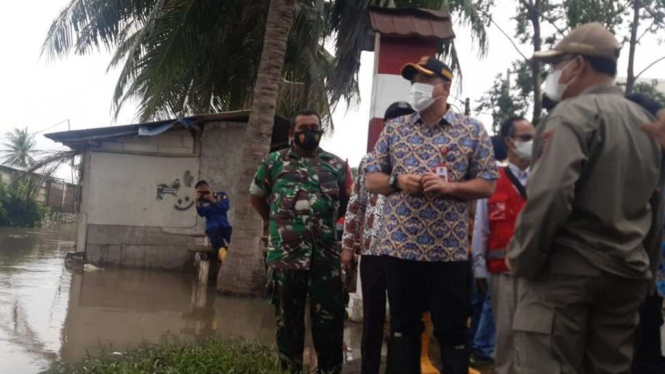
(138, 184)
(57, 194)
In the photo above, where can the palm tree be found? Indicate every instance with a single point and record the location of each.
(243, 273)
(199, 56)
(19, 148)
(349, 21)
(181, 57)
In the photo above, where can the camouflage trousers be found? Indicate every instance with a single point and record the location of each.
(289, 291)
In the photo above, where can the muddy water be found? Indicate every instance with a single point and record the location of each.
(49, 313)
(34, 296)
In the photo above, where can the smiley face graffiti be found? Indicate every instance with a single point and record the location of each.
(182, 204)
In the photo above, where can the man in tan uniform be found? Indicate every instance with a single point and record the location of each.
(586, 244)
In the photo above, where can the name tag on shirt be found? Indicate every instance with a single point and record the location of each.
(442, 171)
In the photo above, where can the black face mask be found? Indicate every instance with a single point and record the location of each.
(548, 103)
(308, 140)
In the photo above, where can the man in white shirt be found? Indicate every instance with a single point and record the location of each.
(493, 230)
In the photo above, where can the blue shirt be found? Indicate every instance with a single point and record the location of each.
(660, 276)
(430, 227)
(216, 214)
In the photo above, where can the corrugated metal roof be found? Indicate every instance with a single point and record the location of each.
(66, 137)
(410, 22)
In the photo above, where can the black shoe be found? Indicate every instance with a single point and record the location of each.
(480, 362)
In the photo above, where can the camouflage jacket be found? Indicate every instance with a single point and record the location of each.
(306, 197)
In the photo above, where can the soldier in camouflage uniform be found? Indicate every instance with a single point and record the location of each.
(300, 191)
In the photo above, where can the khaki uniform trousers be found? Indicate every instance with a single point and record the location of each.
(503, 291)
(574, 324)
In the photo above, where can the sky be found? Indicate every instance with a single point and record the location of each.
(38, 93)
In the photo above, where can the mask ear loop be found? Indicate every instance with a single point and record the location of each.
(568, 65)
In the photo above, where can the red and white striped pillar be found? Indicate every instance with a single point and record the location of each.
(390, 55)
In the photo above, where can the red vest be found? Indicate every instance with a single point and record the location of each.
(504, 208)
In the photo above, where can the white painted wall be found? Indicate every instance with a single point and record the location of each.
(389, 88)
(121, 189)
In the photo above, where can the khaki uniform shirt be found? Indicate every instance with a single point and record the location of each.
(593, 194)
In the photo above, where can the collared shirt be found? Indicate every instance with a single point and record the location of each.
(481, 228)
(430, 227)
(215, 213)
(590, 193)
(363, 216)
(305, 196)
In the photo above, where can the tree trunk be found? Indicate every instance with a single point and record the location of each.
(630, 81)
(243, 272)
(307, 86)
(536, 65)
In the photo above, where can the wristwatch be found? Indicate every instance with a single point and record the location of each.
(392, 181)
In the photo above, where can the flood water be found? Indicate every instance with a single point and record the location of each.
(48, 313)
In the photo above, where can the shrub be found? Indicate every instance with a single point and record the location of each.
(18, 211)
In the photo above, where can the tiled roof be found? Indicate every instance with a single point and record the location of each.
(410, 22)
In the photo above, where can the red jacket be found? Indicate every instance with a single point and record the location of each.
(504, 208)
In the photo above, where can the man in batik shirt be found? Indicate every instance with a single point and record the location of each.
(429, 165)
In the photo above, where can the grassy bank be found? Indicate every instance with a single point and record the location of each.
(213, 356)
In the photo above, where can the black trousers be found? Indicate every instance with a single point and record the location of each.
(373, 282)
(442, 288)
(648, 332)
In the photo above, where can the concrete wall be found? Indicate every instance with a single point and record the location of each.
(123, 216)
(56, 194)
(221, 156)
(122, 190)
(82, 220)
(136, 246)
(61, 196)
(69, 198)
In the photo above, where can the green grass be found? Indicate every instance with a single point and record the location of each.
(214, 356)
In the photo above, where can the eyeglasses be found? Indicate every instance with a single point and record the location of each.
(551, 67)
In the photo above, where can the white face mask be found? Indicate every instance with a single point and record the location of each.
(420, 96)
(553, 89)
(524, 150)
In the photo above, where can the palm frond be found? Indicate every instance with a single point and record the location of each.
(452, 60)
(182, 57)
(351, 24)
(19, 148)
(87, 25)
(471, 13)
